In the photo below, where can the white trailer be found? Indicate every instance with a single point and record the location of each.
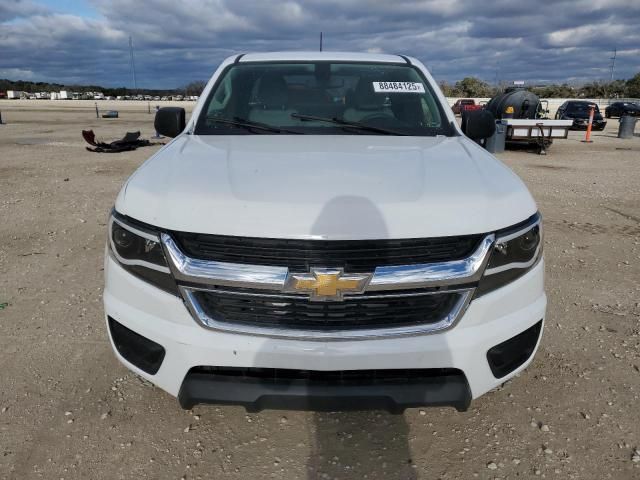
(64, 95)
(15, 94)
(536, 130)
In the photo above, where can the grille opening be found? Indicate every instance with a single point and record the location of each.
(301, 255)
(333, 377)
(354, 313)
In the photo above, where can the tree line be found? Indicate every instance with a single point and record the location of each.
(467, 87)
(474, 87)
(193, 88)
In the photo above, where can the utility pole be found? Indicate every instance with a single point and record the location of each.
(320, 41)
(133, 64)
(613, 63)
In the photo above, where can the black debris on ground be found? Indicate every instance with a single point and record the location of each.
(130, 141)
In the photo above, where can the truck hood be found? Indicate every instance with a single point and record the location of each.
(330, 187)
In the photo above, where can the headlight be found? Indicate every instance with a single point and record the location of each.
(516, 251)
(138, 250)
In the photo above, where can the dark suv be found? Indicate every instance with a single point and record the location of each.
(620, 109)
(578, 111)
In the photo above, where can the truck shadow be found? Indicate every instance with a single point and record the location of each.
(360, 445)
(365, 444)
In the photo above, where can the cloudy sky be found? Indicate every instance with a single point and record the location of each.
(178, 41)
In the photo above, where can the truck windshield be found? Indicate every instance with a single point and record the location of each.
(322, 98)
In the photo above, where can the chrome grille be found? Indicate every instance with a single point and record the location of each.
(404, 299)
(355, 312)
(300, 255)
(358, 316)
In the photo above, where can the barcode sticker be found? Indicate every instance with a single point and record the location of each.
(398, 87)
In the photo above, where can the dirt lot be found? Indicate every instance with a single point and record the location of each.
(70, 410)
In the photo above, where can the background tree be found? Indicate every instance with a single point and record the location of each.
(594, 90)
(467, 87)
(633, 86)
(555, 91)
(195, 88)
(447, 89)
(473, 87)
(617, 88)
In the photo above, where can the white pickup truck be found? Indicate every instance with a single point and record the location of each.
(322, 235)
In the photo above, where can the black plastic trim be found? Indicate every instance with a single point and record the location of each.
(505, 357)
(237, 60)
(405, 59)
(145, 354)
(257, 394)
(519, 226)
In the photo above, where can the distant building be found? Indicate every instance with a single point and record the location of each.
(15, 94)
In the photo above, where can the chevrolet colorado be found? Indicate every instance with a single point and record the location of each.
(321, 234)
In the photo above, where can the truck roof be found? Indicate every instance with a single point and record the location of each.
(320, 56)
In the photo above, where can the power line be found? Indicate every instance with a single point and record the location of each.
(133, 64)
(613, 62)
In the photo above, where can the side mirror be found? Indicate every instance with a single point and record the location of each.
(170, 121)
(478, 124)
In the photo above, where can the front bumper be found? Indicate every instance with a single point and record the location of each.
(582, 124)
(164, 319)
(445, 387)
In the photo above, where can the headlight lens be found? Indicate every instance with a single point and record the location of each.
(138, 250)
(516, 251)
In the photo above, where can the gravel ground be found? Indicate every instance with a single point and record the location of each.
(70, 410)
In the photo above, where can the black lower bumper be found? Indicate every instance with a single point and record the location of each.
(583, 126)
(291, 392)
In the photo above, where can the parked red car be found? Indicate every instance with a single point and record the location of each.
(465, 104)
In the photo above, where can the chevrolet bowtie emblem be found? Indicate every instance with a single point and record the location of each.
(326, 284)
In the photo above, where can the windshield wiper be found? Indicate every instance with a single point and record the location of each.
(248, 124)
(344, 123)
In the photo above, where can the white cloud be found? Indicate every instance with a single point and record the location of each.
(16, 73)
(177, 42)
